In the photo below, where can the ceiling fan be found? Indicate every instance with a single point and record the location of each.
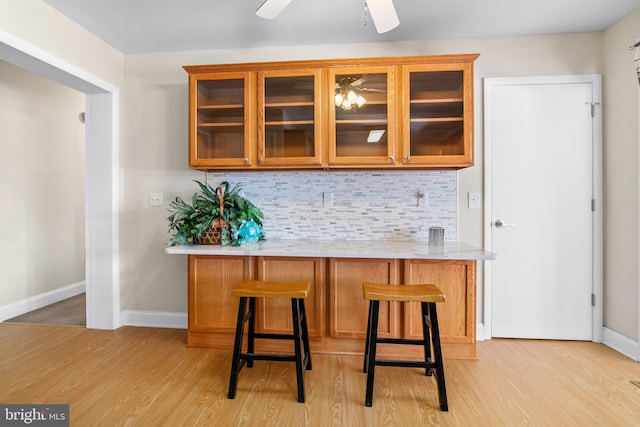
(382, 12)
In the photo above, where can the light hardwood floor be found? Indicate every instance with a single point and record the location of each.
(147, 377)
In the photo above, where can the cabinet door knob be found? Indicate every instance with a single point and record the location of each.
(392, 158)
(407, 158)
(246, 160)
(259, 159)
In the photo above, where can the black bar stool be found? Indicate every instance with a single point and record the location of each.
(248, 291)
(428, 296)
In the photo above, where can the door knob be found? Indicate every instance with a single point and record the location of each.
(500, 223)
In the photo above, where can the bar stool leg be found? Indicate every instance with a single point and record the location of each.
(435, 331)
(237, 348)
(251, 333)
(305, 334)
(365, 365)
(426, 326)
(372, 352)
(297, 338)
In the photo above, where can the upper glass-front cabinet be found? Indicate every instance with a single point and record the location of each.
(289, 122)
(361, 116)
(221, 124)
(412, 112)
(438, 114)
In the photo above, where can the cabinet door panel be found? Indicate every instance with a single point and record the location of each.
(456, 316)
(274, 314)
(211, 279)
(437, 114)
(289, 117)
(362, 115)
(221, 119)
(348, 308)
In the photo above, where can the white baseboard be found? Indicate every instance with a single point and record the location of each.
(622, 344)
(154, 319)
(480, 332)
(33, 303)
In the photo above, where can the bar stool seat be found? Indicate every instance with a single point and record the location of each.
(427, 295)
(248, 291)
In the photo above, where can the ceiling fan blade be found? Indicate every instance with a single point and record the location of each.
(361, 80)
(270, 9)
(383, 14)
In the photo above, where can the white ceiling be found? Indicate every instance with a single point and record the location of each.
(142, 26)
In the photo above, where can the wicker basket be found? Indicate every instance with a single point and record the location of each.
(213, 234)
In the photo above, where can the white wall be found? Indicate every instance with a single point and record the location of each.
(155, 133)
(622, 160)
(154, 136)
(41, 185)
(37, 23)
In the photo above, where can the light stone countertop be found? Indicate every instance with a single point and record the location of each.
(342, 249)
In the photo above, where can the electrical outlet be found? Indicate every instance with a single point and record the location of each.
(155, 199)
(327, 199)
(423, 197)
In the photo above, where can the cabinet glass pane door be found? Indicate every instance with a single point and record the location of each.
(436, 113)
(361, 117)
(220, 119)
(289, 119)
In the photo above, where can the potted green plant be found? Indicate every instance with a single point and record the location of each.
(219, 212)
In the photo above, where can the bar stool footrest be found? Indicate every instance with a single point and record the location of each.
(405, 363)
(272, 357)
(275, 336)
(399, 341)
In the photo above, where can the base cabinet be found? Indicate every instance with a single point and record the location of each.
(274, 314)
(457, 315)
(212, 309)
(348, 309)
(336, 309)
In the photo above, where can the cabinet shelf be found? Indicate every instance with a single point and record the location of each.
(220, 125)
(437, 119)
(288, 104)
(220, 107)
(361, 122)
(436, 101)
(289, 122)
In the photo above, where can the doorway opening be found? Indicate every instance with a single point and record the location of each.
(102, 130)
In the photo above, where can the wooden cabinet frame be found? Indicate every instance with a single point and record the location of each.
(398, 153)
(463, 159)
(196, 159)
(317, 122)
(336, 309)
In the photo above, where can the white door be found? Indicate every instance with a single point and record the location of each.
(540, 140)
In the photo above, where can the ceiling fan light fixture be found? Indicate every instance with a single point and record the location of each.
(346, 98)
(383, 14)
(270, 9)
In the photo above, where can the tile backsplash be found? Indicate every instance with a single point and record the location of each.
(365, 205)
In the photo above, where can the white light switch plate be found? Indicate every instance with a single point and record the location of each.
(474, 200)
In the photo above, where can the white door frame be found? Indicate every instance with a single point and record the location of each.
(102, 129)
(597, 223)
